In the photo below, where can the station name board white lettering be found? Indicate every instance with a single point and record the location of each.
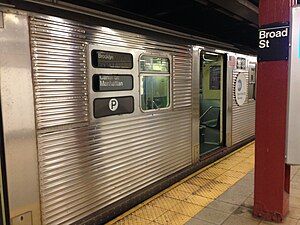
(273, 42)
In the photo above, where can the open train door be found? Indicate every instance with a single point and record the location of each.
(212, 91)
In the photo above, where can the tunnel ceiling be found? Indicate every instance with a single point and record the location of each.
(231, 21)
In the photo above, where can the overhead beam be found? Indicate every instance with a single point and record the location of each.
(241, 8)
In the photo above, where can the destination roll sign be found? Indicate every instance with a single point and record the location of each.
(273, 42)
(112, 82)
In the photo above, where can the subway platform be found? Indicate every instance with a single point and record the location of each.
(221, 193)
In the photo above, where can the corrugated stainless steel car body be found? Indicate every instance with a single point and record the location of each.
(242, 117)
(17, 105)
(86, 164)
(81, 164)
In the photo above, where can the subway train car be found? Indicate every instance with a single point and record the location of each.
(96, 119)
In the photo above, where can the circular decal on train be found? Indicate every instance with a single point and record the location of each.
(241, 89)
(113, 104)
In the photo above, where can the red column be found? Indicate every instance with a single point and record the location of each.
(272, 175)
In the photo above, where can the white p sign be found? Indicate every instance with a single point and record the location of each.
(113, 104)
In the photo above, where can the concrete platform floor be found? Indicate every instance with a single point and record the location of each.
(234, 207)
(221, 193)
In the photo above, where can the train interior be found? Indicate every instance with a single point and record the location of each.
(211, 102)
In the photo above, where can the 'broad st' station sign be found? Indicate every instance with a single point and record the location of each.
(273, 42)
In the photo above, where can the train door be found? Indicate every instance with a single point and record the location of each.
(212, 110)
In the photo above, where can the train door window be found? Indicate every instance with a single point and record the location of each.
(155, 82)
(252, 81)
(211, 101)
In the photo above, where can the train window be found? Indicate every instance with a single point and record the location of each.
(155, 92)
(111, 60)
(154, 64)
(155, 82)
(252, 82)
(241, 63)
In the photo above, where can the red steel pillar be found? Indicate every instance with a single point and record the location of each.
(272, 175)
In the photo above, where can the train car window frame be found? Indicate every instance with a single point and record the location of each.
(143, 74)
(155, 71)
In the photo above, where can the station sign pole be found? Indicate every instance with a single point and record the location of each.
(272, 174)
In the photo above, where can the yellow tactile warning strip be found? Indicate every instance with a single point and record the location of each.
(180, 202)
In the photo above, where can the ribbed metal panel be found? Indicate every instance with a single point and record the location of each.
(243, 117)
(182, 81)
(92, 164)
(59, 74)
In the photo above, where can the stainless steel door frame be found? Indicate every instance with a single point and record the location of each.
(223, 99)
(19, 120)
(228, 141)
(195, 104)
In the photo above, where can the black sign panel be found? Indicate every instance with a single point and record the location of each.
(113, 106)
(112, 60)
(214, 77)
(273, 42)
(112, 82)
